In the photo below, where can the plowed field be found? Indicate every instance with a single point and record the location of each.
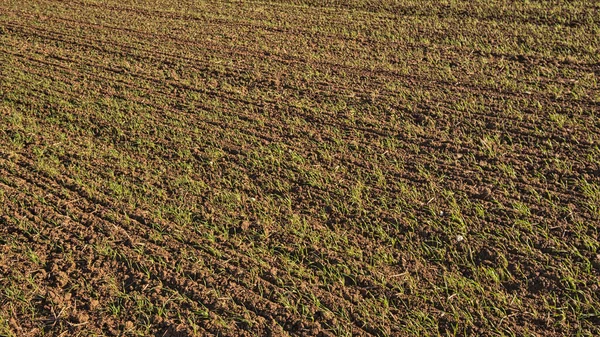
(299, 168)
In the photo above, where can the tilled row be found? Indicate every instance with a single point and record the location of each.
(517, 129)
(93, 209)
(248, 58)
(271, 129)
(191, 282)
(443, 164)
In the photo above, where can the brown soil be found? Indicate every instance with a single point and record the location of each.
(196, 169)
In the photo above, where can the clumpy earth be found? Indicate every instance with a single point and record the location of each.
(299, 168)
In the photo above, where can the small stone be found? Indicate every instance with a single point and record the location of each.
(245, 225)
(94, 304)
(81, 317)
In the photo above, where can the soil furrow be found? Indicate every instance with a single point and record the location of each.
(131, 237)
(359, 72)
(409, 179)
(518, 133)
